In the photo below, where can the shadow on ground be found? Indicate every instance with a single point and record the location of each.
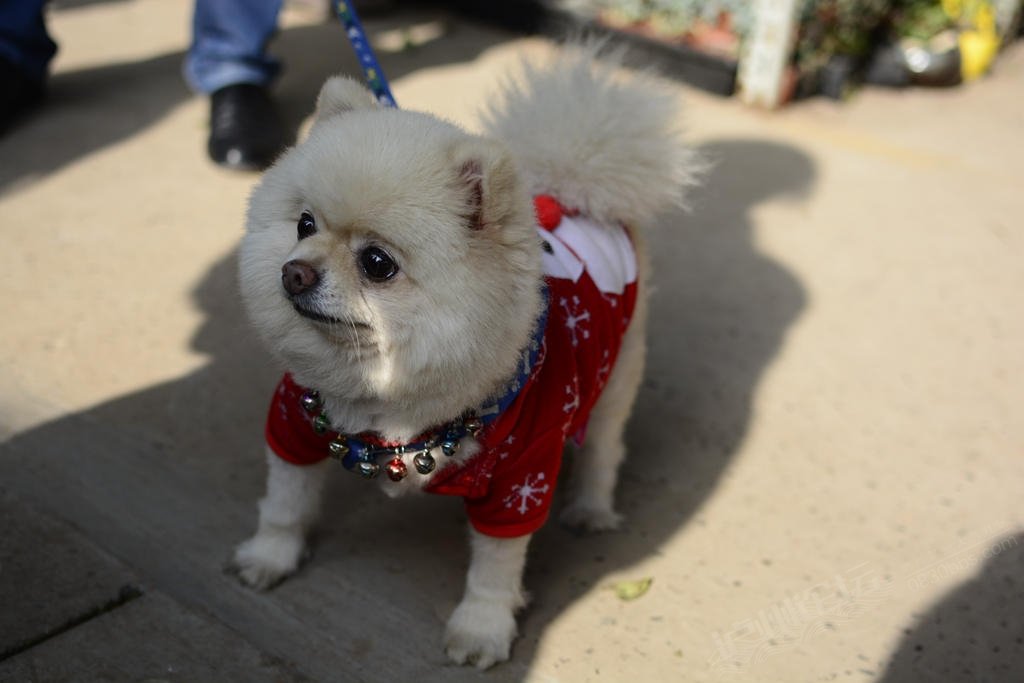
(976, 633)
(719, 314)
(166, 479)
(89, 109)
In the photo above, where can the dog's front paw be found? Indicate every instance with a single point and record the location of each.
(480, 633)
(267, 558)
(590, 516)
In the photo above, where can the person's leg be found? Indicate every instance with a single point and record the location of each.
(229, 41)
(25, 53)
(228, 61)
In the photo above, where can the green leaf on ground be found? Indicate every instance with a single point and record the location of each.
(631, 590)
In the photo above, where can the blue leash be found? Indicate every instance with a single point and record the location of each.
(367, 59)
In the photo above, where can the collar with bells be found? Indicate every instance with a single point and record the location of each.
(362, 452)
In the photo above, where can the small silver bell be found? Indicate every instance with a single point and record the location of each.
(368, 469)
(449, 448)
(474, 424)
(321, 423)
(338, 448)
(310, 400)
(424, 462)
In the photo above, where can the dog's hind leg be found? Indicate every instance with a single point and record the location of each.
(287, 511)
(595, 469)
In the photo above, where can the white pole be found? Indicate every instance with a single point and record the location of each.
(767, 52)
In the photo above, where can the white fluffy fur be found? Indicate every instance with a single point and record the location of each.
(482, 627)
(286, 513)
(455, 212)
(598, 140)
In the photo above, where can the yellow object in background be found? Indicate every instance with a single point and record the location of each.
(979, 41)
(977, 52)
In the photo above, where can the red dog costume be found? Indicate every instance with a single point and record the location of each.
(590, 271)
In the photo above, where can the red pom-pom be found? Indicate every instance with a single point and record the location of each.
(549, 211)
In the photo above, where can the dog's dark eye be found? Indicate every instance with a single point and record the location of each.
(377, 264)
(306, 226)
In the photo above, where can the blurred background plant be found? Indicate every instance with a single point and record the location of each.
(837, 27)
(919, 19)
(838, 44)
(717, 26)
(898, 42)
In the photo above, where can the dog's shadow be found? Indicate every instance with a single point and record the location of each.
(719, 314)
(167, 478)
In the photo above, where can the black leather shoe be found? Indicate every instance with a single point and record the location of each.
(18, 94)
(246, 133)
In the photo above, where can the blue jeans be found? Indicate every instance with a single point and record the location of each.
(229, 40)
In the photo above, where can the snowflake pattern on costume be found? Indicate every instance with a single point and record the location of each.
(507, 446)
(541, 357)
(529, 493)
(612, 299)
(573, 318)
(604, 370)
(574, 400)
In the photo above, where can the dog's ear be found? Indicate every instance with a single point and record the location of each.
(341, 94)
(487, 177)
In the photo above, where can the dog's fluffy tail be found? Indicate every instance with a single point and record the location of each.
(607, 144)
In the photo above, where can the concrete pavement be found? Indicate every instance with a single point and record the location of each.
(826, 461)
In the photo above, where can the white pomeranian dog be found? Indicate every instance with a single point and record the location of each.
(451, 309)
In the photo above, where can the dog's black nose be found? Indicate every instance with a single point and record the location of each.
(298, 276)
